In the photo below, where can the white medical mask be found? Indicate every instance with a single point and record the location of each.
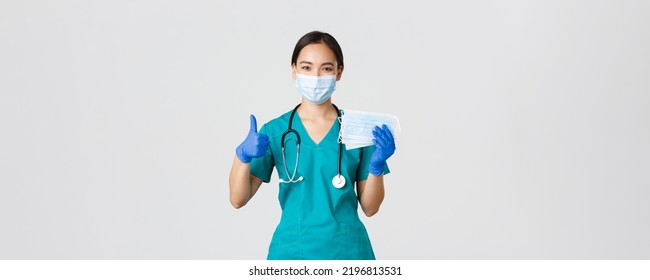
(316, 89)
(357, 126)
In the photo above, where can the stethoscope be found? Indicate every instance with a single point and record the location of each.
(338, 181)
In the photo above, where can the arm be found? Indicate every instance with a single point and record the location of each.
(371, 194)
(371, 191)
(243, 185)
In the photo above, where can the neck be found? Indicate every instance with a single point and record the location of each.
(312, 111)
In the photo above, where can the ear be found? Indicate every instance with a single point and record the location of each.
(340, 72)
(293, 71)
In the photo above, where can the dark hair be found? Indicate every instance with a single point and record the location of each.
(316, 37)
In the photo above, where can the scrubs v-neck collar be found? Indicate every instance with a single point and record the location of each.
(325, 142)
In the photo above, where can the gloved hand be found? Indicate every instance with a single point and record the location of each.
(255, 144)
(384, 148)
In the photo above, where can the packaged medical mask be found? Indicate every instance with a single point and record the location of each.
(316, 89)
(357, 127)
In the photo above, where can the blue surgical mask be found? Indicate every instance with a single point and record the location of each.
(357, 126)
(316, 89)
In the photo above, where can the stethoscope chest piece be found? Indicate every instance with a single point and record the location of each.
(338, 181)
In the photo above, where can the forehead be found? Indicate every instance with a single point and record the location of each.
(316, 53)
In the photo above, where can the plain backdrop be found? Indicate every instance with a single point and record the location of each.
(525, 124)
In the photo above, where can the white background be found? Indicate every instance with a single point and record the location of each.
(525, 125)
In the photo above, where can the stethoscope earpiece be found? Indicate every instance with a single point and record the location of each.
(291, 181)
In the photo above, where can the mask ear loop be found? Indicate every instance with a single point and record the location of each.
(398, 128)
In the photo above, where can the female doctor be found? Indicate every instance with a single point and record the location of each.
(317, 174)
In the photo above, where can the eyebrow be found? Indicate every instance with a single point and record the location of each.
(307, 62)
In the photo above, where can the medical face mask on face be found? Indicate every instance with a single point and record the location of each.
(316, 89)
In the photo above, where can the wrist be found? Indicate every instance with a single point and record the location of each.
(239, 151)
(377, 169)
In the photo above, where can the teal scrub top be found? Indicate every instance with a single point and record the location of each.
(318, 220)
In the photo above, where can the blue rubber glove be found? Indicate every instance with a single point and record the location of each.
(255, 144)
(384, 148)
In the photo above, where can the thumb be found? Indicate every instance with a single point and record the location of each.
(253, 123)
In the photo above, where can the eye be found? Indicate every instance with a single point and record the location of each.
(305, 67)
(327, 69)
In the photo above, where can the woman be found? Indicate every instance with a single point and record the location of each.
(317, 174)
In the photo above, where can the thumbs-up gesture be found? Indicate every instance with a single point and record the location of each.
(255, 144)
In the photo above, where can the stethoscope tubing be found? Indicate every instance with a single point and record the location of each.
(291, 130)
